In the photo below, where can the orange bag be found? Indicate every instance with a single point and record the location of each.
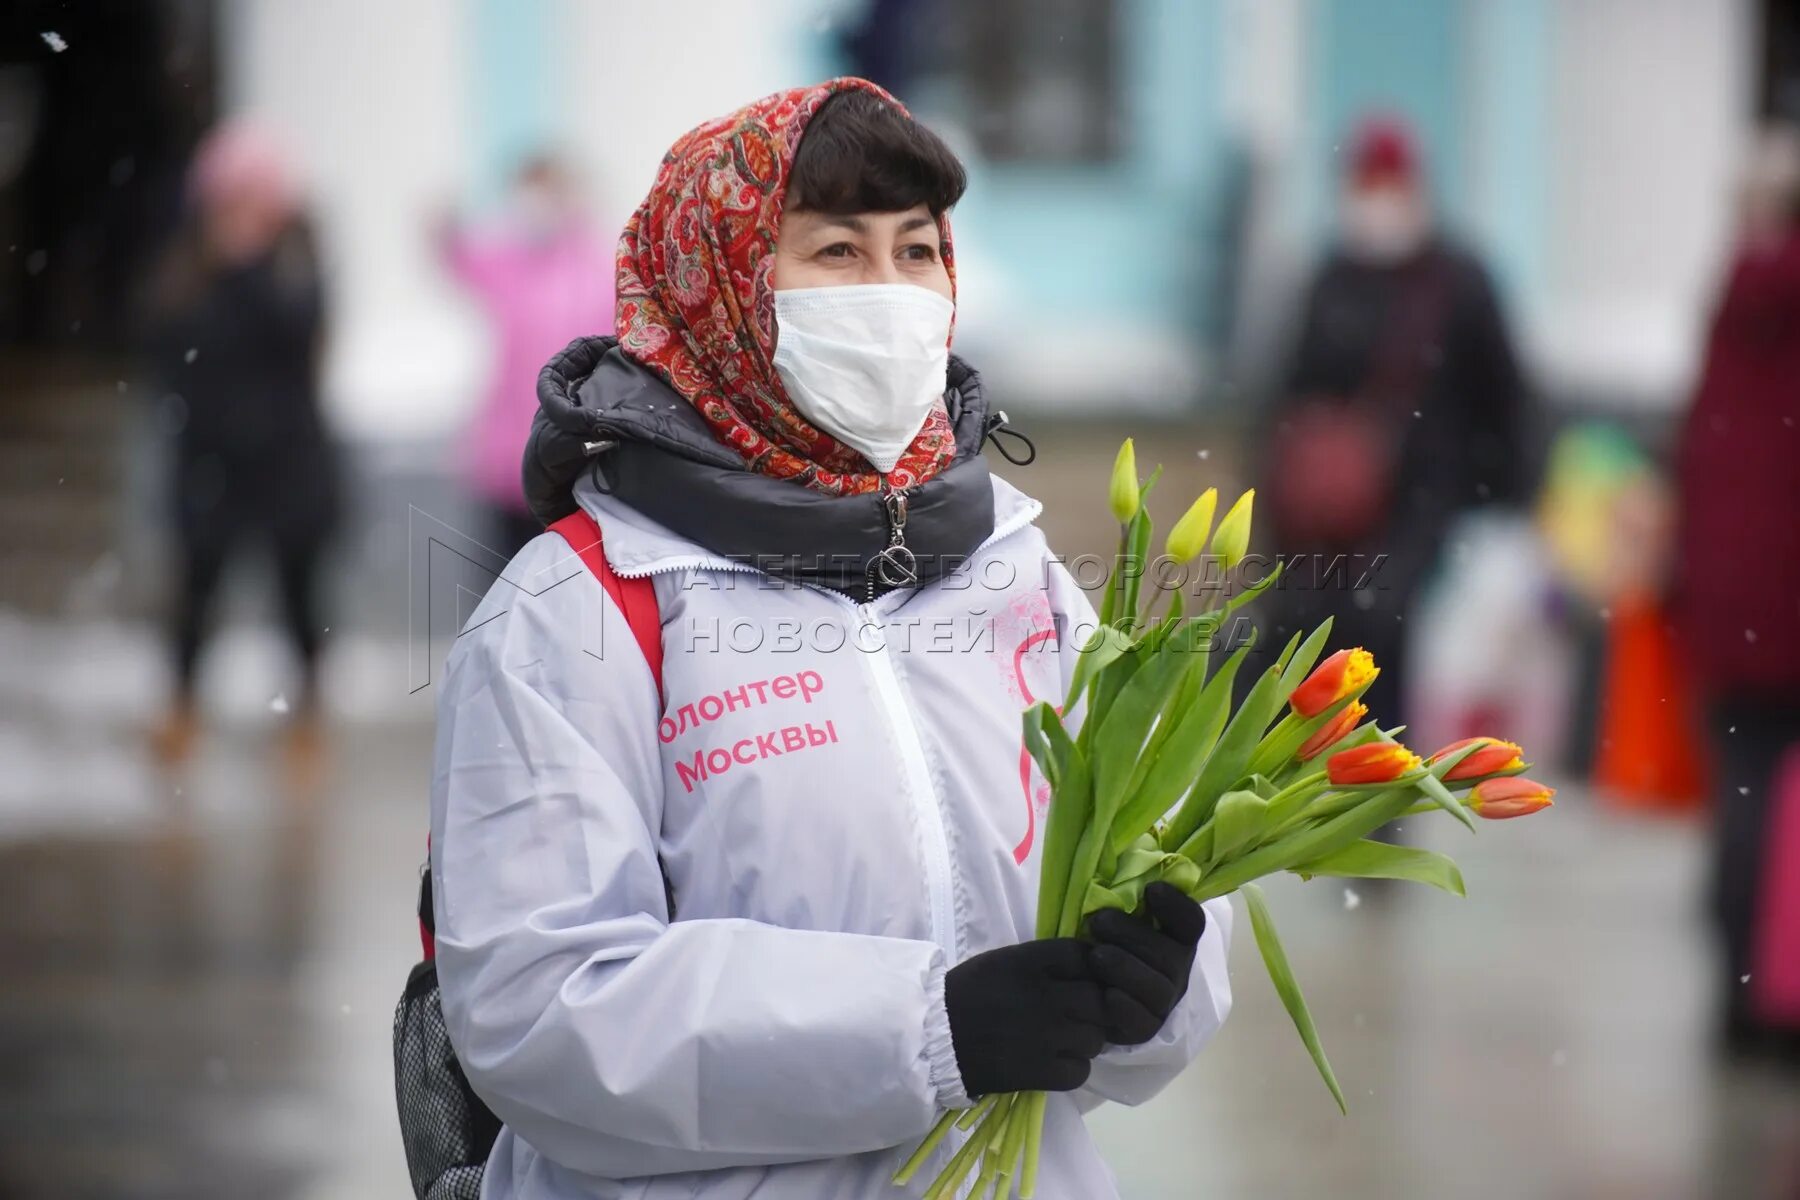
(1650, 756)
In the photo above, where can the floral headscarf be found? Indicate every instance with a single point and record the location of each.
(697, 302)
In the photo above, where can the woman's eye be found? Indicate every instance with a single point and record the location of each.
(920, 252)
(838, 250)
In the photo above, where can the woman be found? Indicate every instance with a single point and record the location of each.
(542, 275)
(234, 335)
(752, 934)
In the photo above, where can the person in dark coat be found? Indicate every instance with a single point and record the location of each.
(1737, 586)
(1401, 405)
(233, 339)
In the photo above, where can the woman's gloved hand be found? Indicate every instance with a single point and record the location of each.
(1143, 962)
(1026, 1018)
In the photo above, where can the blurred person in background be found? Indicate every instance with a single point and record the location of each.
(1737, 588)
(1401, 405)
(542, 274)
(234, 332)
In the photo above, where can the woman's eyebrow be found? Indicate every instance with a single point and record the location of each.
(856, 224)
(853, 224)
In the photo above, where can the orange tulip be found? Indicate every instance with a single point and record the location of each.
(1343, 674)
(1509, 796)
(1376, 762)
(1348, 718)
(1494, 756)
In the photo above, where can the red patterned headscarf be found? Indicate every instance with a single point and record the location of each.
(697, 301)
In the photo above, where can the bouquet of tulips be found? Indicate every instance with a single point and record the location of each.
(1168, 780)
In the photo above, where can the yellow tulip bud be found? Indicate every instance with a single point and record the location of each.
(1232, 538)
(1123, 495)
(1188, 538)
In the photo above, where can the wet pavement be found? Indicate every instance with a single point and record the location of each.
(199, 975)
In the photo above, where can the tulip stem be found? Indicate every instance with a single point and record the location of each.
(911, 1166)
(1035, 1103)
(967, 1120)
(1109, 602)
(1017, 1124)
(952, 1175)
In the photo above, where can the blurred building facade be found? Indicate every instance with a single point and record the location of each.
(1148, 174)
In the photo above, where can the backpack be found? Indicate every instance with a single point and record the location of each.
(446, 1129)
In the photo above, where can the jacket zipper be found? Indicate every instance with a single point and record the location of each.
(928, 806)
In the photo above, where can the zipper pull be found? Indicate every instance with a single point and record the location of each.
(895, 566)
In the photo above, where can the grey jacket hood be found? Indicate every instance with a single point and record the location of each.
(599, 411)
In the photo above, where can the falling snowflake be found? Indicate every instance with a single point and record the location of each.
(1204, 454)
(1750, 636)
(1743, 791)
(1733, 729)
(54, 40)
(192, 354)
(1743, 979)
(279, 704)
(1352, 901)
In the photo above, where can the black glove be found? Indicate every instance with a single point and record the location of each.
(1143, 962)
(1025, 1018)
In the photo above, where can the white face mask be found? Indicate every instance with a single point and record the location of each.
(864, 363)
(1383, 226)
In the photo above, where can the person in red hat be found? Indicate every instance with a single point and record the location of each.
(1402, 404)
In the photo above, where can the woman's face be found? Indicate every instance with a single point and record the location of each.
(820, 250)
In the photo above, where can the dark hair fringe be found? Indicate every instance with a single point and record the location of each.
(861, 154)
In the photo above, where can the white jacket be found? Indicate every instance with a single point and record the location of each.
(837, 795)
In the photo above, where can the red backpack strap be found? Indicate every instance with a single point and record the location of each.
(636, 598)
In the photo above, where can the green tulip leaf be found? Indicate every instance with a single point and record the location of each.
(1238, 819)
(1103, 646)
(1099, 897)
(1282, 976)
(1301, 664)
(1225, 764)
(1378, 860)
(1071, 810)
(1119, 741)
(1164, 772)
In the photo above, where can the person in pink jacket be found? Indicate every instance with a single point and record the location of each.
(543, 276)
